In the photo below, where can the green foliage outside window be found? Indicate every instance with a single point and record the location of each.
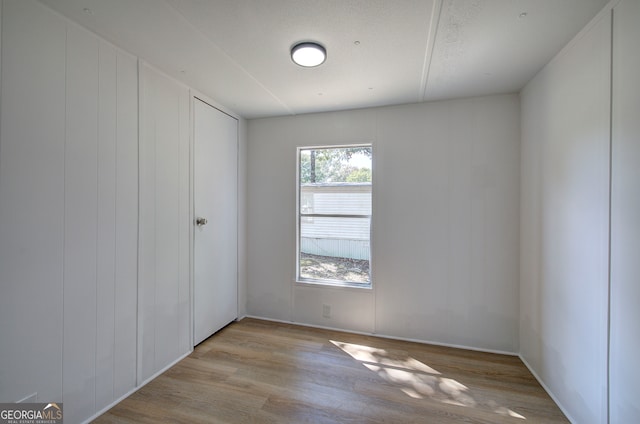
(333, 165)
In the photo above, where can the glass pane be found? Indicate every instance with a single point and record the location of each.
(336, 198)
(316, 267)
(335, 165)
(335, 249)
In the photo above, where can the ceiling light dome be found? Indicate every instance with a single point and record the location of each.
(308, 54)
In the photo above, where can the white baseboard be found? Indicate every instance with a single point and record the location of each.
(385, 336)
(546, 389)
(135, 389)
(32, 398)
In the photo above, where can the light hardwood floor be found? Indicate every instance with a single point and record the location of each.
(257, 371)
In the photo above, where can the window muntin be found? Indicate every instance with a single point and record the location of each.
(334, 215)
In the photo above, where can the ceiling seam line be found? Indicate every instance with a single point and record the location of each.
(436, 15)
(210, 41)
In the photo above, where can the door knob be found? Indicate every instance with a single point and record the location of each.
(201, 221)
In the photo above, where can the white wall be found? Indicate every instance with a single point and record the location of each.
(32, 205)
(445, 221)
(76, 324)
(68, 213)
(564, 224)
(625, 216)
(445, 267)
(164, 264)
(242, 216)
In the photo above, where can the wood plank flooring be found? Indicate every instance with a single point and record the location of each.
(257, 371)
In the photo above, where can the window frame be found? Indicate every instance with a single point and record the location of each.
(327, 282)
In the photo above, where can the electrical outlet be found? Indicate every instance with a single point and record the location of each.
(326, 311)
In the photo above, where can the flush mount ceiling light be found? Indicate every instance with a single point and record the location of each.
(308, 54)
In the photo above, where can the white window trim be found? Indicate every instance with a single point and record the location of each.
(330, 283)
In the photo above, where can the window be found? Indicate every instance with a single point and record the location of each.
(334, 215)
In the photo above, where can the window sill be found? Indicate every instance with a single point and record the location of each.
(333, 284)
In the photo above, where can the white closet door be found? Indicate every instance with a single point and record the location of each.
(215, 200)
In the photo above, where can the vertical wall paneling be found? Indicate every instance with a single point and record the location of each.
(117, 225)
(106, 221)
(624, 373)
(242, 217)
(565, 223)
(146, 229)
(80, 223)
(68, 214)
(164, 314)
(126, 230)
(32, 201)
(185, 320)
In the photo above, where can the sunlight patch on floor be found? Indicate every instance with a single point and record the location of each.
(415, 378)
(381, 356)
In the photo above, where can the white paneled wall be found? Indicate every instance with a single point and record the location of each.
(100, 223)
(117, 265)
(32, 202)
(444, 228)
(446, 211)
(126, 271)
(94, 215)
(242, 217)
(80, 222)
(164, 304)
(565, 224)
(68, 214)
(625, 216)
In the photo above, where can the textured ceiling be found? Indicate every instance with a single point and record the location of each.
(380, 52)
